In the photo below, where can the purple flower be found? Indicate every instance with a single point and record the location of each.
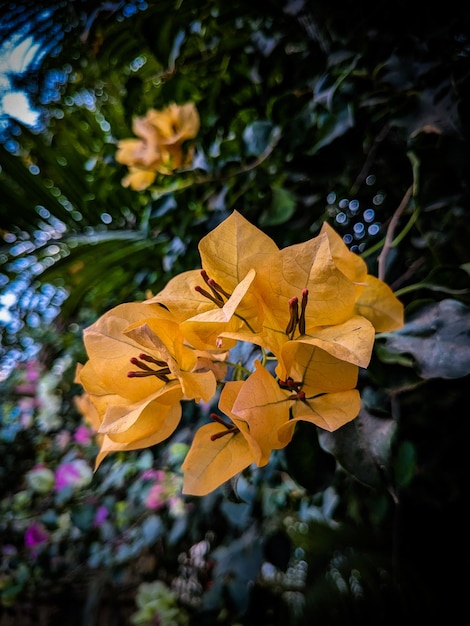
(100, 515)
(35, 535)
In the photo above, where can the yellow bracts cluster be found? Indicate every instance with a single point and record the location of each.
(161, 147)
(311, 310)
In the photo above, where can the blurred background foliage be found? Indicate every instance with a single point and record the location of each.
(351, 112)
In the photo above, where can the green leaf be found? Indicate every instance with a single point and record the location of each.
(82, 516)
(438, 338)
(363, 447)
(331, 126)
(257, 137)
(237, 566)
(152, 529)
(307, 462)
(282, 207)
(405, 463)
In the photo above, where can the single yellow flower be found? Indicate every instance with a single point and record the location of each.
(138, 370)
(125, 425)
(319, 389)
(263, 412)
(219, 450)
(220, 297)
(319, 291)
(159, 148)
(175, 123)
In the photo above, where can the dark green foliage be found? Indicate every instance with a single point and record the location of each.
(310, 111)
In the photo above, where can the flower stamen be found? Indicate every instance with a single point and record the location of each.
(303, 306)
(294, 316)
(295, 387)
(295, 319)
(217, 288)
(151, 359)
(230, 429)
(217, 294)
(144, 370)
(218, 302)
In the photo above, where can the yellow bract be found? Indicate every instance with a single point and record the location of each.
(139, 369)
(309, 311)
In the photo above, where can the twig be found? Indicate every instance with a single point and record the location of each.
(391, 231)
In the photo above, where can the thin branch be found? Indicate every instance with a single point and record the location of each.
(391, 231)
(219, 177)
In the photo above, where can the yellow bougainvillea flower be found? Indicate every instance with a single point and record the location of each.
(220, 449)
(321, 292)
(138, 178)
(263, 412)
(220, 295)
(121, 424)
(136, 349)
(159, 148)
(313, 308)
(319, 389)
(125, 426)
(138, 370)
(176, 123)
(351, 341)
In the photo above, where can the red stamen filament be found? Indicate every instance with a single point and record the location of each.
(303, 306)
(135, 361)
(291, 384)
(294, 316)
(296, 319)
(218, 302)
(229, 428)
(216, 289)
(294, 386)
(230, 431)
(145, 370)
(151, 359)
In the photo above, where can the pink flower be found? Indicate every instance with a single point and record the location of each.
(27, 406)
(83, 435)
(75, 474)
(152, 474)
(35, 535)
(32, 371)
(31, 377)
(62, 440)
(156, 497)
